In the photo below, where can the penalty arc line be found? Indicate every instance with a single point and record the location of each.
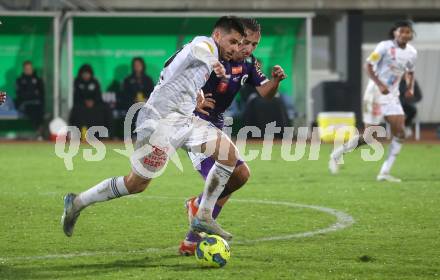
(343, 220)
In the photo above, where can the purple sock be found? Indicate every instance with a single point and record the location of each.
(217, 208)
(216, 211)
(192, 237)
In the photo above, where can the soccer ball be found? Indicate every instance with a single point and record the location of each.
(212, 251)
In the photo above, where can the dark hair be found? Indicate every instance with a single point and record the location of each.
(141, 60)
(251, 24)
(228, 23)
(85, 68)
(398, 24)
(27, 62)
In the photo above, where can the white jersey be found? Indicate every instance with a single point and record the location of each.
(182, 77)
(390, 63)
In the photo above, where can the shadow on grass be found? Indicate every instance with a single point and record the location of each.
(72, 269)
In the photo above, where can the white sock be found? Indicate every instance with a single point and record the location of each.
(345, 148)
(215, 183)
(106, 190)
(394, 150)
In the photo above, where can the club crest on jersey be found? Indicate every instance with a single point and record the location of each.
(243, 79)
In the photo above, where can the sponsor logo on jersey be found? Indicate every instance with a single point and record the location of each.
(237, 70)
(157, 157)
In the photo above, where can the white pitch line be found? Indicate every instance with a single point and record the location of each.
(343, 220)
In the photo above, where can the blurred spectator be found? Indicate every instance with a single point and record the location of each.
(113, 91)
(259, 111)
(86, 86)
(30, 96)
(91, 114)
(88, 108)
(408, 104)
(137, 87)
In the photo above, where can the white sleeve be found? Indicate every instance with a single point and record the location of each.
(204, 52)
(377, 54)
(411, 65)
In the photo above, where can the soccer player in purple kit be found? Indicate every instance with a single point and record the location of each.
(219, 94)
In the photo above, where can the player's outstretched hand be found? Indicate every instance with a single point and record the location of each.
(219, 69)
(2, 97)
(207, 103)
(278, 73)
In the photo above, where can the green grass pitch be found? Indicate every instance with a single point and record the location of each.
(395, 234)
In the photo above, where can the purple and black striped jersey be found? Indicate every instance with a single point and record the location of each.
(224, 90)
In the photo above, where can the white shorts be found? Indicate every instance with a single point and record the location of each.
(158, 139)
(376, 106)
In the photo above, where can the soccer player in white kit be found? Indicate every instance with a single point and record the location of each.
(391, 61)
(166, 123)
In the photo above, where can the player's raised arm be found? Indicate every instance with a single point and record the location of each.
(269, 89)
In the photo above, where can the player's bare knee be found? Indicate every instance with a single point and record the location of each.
(133, 188)
(238, 179)
(244, 173)
(138, 188)
(135, 184)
